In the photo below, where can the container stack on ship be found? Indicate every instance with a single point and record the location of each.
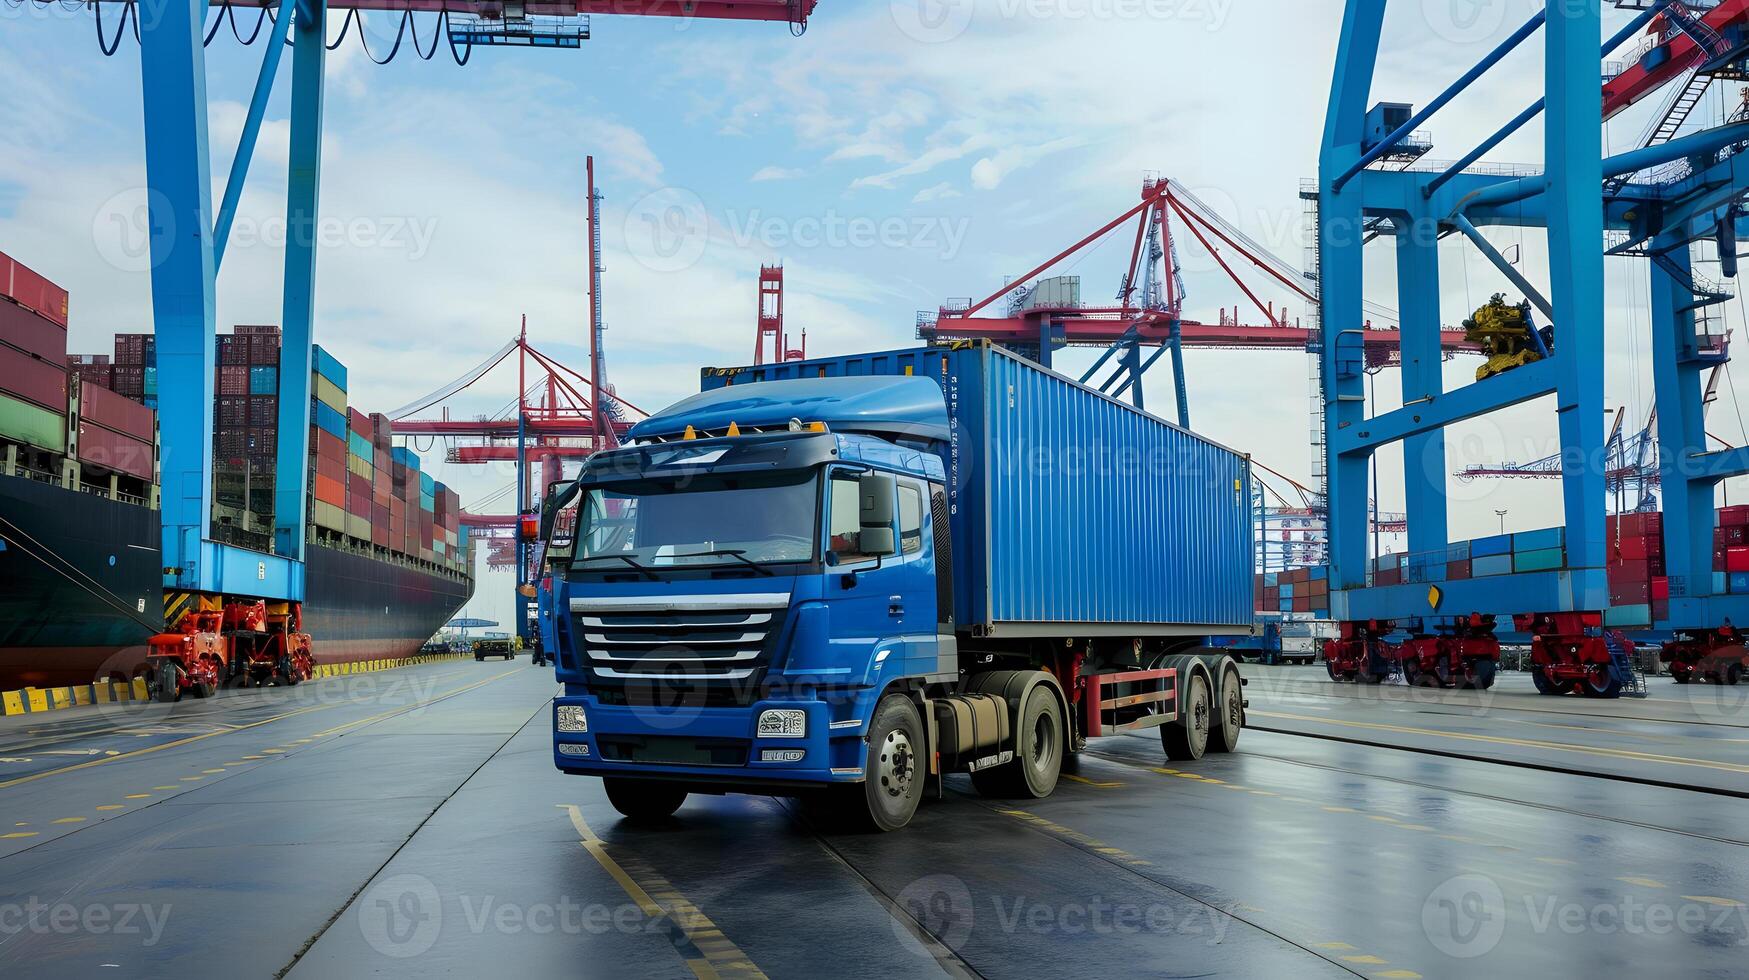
(387, 561)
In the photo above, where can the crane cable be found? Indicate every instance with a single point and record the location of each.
(462, 51)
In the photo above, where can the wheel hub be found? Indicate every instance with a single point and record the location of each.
(897, 765)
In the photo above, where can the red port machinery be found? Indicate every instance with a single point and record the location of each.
(230, 642)
(1464, 654)
(1716, 655)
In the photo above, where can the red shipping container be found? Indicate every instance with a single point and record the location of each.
(264, 441)
(357, 486)
(99, 375)
(359, 422)
(31, 333)
(331, 446)
(1642, 524)
(32, 291)
(1630, 593)
(1660, 588)
(100, 446)
(255, 330)
(234, 380)
(40, 381)
(234, 352)
(229, 443)
(333, 470)
(232, 411)
(1726, 536)
(1660, 610)
(1630, 571)
(130, 349)
(1734, 516)
(382, 431)
(263, 411)
(1737, 559)
(379, 535)
(125, 416)
(1457, 570)
(1639, 548)
(330, 491)
(1387, 576)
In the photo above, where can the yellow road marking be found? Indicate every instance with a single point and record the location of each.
(1340, 809)
(17, 834)
(253, 758)
(1381, 818)
(112, 806)
(1520, 742)
(212, 772)
(719, 952)
(1643, 882)
(1367, 959)
(192, 779)
(1262, 792)
(166, 787)
(1089, 782)
(137, 796)
(274, 751)
(1333, 946)
(1728, 903)
(1399, 975)
(69, 820)
(1415, 826)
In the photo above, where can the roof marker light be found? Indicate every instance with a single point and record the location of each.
(690, 433)
(734, 430)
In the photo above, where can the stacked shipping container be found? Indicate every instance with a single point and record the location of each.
(1297, 590)
(33, 355)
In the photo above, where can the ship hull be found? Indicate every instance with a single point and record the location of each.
(81, 592)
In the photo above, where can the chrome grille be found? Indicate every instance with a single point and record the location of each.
(654, 638)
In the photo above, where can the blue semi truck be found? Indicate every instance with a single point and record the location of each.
(844, 579)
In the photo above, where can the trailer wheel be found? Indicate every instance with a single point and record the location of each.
(894, 772)
(1600, 682)
(1733, 674)
(1230, 711)
(1544, 685)
(643, 799)
(1187, 738)
(1682, 678)
(1038, 752)
(1480, 674)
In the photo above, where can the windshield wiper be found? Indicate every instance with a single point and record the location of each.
(629, 560)
(739, 554)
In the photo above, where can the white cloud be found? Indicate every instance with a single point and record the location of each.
(774, 172)
(935, 192)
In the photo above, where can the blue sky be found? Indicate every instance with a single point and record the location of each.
(889, 161)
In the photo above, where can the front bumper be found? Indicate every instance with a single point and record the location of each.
(715, 747)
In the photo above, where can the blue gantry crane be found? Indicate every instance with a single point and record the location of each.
(189, 235)
(1656, 201)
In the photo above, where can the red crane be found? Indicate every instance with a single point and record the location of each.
(770, 320)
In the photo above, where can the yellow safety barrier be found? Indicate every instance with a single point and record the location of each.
(36, 699)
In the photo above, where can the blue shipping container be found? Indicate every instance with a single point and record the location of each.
(324, 364)
(427, 485)
(1538, 561)
(1540, 540)
(1490, 565)
(1499, 544)
(1287, 590)
(264, 379)
(1070, 506)
(406, 457)
(1320, 572)
(360, 446)
(1738, 583)
(327, 419)
(1271, 579)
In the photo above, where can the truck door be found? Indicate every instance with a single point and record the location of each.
(880, 604)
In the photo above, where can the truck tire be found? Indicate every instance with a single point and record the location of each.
(1186, 739)
(1038, 752)
(894, 772)
(643, 800)
(166, 683)
(1229, 711)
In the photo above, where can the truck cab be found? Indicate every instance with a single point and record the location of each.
(759, 596)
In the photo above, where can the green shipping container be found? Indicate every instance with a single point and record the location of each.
(1539, 561)
(33, 426)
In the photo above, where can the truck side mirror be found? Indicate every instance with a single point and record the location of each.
(877, 493)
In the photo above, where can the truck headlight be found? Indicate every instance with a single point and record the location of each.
(783, 723)
(570, 718)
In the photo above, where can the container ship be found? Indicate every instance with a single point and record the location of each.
(387, 560)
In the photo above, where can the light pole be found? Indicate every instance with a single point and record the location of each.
(1502, 515)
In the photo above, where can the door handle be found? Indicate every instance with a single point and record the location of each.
(895, 606)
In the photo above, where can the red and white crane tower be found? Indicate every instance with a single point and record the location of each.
(770, 320)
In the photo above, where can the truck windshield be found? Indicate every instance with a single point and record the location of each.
(703, 522)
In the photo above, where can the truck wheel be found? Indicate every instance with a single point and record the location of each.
(1734, 674)
(1546, 685)
(1038, 752)
(167, 684)
(643, 800)
(1229, 713)
(1188, 738)
(894, 772)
